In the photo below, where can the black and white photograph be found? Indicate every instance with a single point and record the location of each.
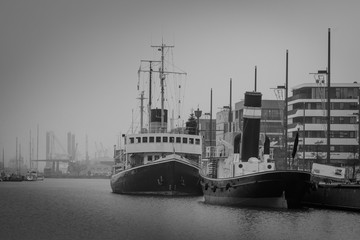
(169, 119)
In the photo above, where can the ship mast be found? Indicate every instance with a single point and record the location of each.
(162, 80)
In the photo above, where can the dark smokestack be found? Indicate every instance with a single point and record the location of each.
(251, 127)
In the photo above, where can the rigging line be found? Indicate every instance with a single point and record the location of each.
(183, 97)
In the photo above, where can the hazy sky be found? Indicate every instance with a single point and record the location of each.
(71, 65)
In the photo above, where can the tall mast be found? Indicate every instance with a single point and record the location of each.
(37, 146)
(3, 158)
(255, 78)
(211, 130)
(328, 102)
(16, 158)
(230, 107)
(286, 106)
(30, 158)
(162, 79)
(86, 148)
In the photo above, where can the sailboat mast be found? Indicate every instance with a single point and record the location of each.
(16, 158)
(37, 146)
(3, 158)
(30, 152)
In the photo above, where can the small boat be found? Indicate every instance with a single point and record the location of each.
(31, 175)
(246, 181)
(332, 190)
(13, 178)
(156, 161)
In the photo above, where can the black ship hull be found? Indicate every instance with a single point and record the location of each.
(275, 189)
(333, 196)
(164, 177)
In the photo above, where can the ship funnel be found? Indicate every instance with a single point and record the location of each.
(251, 126)
(155, 123)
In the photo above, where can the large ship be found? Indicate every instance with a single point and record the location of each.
(157, 161)
(243, 179)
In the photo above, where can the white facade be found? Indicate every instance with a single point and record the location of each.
(309, 104)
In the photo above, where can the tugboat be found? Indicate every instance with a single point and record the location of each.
(243, 180)
(156, 161)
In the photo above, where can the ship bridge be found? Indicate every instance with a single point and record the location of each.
(163, 142)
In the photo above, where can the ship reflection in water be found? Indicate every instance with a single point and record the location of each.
(87, 209)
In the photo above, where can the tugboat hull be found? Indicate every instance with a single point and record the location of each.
(278, 189)
(163, 177)
(336, 196)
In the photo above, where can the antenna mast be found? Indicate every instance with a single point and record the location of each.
(162, 79)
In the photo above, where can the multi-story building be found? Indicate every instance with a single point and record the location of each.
(307, 113)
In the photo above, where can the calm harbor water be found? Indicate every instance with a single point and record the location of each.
(87, 209)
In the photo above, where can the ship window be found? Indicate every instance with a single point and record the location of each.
(197, 141)
(171, 139)
(178, 139)
(149, 158)
(131, 140)
(151, 139)
(158, 139)
(157, 157)
(184, 140)
(165, 139)
(191, 140)
(138, 139)
(144, 139)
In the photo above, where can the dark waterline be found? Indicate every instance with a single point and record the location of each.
(86, 209)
